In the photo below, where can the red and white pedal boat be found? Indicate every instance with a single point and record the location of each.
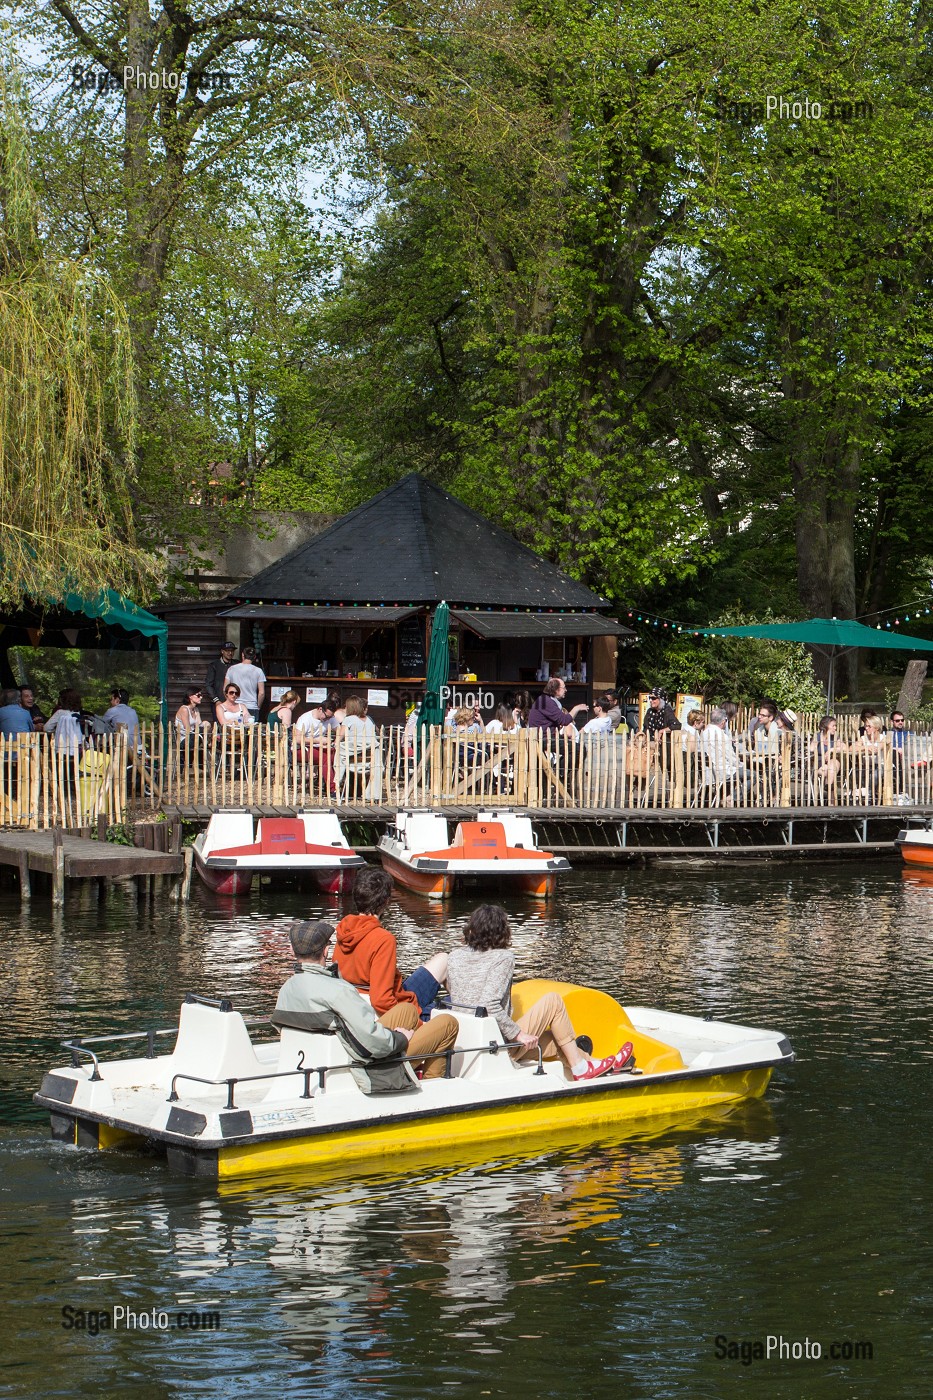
(496, 846)
(230, 852)
(915, 843)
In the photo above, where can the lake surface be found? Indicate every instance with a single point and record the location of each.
(607, 1268)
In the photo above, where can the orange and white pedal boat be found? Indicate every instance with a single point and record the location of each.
(230, 852)
(496, 846)
(915, 843)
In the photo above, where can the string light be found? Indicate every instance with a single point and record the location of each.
(877, 619)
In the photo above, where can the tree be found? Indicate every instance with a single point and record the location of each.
(664, 315)
(67, 407)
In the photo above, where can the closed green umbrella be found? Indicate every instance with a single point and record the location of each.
(830, 636)
(432, 708)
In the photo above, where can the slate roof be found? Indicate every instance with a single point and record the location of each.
(414, 543)
(540, 624)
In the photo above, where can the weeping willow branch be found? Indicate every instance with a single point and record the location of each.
(67, 406)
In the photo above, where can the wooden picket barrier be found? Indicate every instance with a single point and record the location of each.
(42, 785)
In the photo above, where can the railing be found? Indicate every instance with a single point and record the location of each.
(43, 786)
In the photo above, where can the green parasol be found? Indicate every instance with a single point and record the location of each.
(432, 708)
(830, 636)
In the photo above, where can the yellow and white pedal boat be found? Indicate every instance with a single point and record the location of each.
(223, 1104)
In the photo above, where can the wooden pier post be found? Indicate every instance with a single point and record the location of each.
(58, 866)
(25, 881)
(186, 878)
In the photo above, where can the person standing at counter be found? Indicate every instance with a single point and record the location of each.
(216, 672)
(250, 680)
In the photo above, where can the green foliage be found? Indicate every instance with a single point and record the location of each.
(742, 669)
(668, 347)
(67, 403)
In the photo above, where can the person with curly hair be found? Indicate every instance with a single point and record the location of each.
(479, 973)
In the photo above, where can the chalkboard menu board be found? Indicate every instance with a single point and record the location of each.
(411, 660)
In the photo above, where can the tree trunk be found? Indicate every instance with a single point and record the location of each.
(911, 696)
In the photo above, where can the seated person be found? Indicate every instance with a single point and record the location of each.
(188, 716)
(282, 711)
(660, 719)
(465, 720)
(314, 730)
(864, 715)
(366, 952)
(27, 698)
(763, 731)
(826, 750)
(719, 756)
(614, 710)
(230, 711)
(899, 732)
(315, 722)
(14, 717)
(314, 988)
(868, 765)
(122, 712)
(696, 723)
(548, 712)
(764, 735)
(601, 723)
(65, 722)
(479, 973)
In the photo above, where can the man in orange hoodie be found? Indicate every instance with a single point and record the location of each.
(366, 952)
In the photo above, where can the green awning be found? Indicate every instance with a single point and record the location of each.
(824, 633)
(832, 636)
(109, 607)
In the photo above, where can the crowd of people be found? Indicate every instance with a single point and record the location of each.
(70, 724)
(716, 757)
(336, 964)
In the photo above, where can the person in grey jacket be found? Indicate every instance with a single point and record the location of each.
(315, 989)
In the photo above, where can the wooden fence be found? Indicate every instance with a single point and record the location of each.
(45, 786)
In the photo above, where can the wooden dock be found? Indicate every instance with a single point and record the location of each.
(67, 857)
(640, 835)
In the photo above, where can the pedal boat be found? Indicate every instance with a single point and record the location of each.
(224, 1104)
(915, 843)
(230, 852)
(498, 846)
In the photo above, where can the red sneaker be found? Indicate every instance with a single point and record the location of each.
(594, 1069)
(624, 1058)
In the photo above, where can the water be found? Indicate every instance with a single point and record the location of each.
(607, 1268)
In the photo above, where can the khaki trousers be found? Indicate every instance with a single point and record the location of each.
(430, 1037)
(548, 1020)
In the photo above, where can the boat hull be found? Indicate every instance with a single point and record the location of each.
(625, 1102)
(238, 881)
(441, 884)
(917, 853)
(227, 882)
(432, 884)
(335, 881)
(494, 1124)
